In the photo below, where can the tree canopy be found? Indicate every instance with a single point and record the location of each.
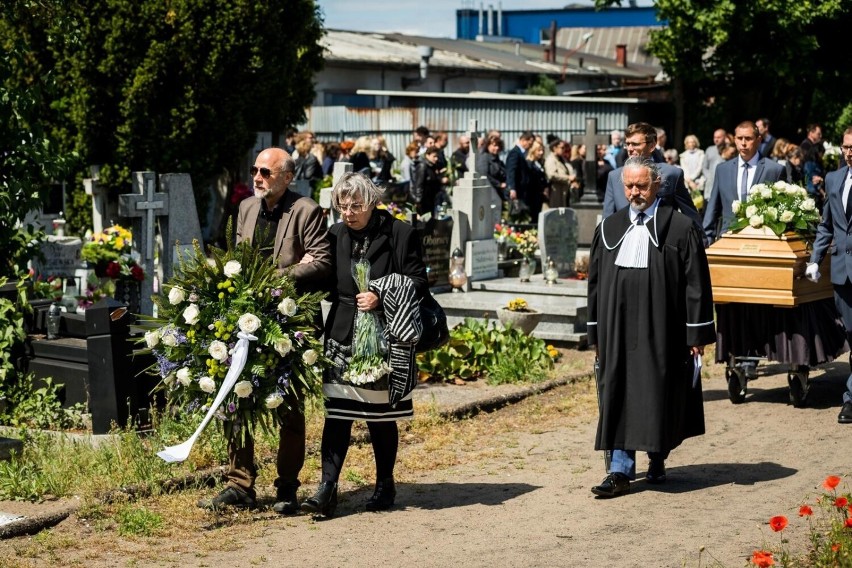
(168, 85)
(730, 61)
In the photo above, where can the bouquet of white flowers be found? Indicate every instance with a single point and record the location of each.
(369, 348)
(780, 206)
(233, 338)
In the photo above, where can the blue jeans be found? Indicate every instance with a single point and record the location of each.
(624, 461)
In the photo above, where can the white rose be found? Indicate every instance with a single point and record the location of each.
(176, 296)
(808, 204)
(169, 339)
(232, 268)
(190, 314)
(756, 221)
(152, 338)
(771, 213)
(751, 211)
(310, 357)
(207, 384)
(288, 307)
(791, 189)
(787, 216)
(803, 192)
(274, 400)
(283, 346)
(218, 350)
(184, 377)
(248, 323)
(243, 389)
(766, 193)
(735, 206)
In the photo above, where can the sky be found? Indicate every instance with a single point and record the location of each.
(436, 18)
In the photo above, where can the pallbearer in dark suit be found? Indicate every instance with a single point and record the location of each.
(836, 226)
(640, 142)
(290, 228)
(651, 312)
(517, 171)
(734, 178)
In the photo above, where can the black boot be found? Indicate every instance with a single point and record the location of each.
(286, 501)
(384, 495)
(324, 501)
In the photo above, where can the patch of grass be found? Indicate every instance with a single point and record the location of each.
(138, 521)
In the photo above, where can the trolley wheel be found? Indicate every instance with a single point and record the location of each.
(798, 383)
(736, 384)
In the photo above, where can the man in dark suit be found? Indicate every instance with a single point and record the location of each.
(517, 170)
(734, 178)
(290, 228)
(641, 138)
(767, 142)
(836, 226)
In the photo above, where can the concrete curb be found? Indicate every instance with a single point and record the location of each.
(209, 477)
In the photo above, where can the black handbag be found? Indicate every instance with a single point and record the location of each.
(435, 330)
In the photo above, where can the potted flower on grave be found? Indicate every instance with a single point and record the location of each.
(762, 259)
(115, 265)
(518, 314)
(231, 339)
(526, 243)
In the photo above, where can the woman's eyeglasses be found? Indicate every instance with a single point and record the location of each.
(354, 208)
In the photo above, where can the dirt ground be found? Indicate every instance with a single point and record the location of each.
(525, 499)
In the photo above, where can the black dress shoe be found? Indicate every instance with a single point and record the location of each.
(324, 501)
(286, 501)
(656, 472)
(613, 485)
(845, 416)
(229, 497)
(384, 495)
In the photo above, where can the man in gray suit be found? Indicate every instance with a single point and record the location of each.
(713, 158)
(640, 140)
(734, 178)
(836, 225)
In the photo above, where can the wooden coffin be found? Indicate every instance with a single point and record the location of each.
(755, 266)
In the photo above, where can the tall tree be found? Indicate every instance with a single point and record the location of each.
(171, 85)
(731, 61)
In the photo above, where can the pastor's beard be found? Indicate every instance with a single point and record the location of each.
(261, 193)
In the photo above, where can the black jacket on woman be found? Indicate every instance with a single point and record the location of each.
(394, 247)
(492, 167)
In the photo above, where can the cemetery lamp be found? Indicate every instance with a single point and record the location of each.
(551, 274)
(458, 279)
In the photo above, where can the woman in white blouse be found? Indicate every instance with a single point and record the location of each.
(692, 162)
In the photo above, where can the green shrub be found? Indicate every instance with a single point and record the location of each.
(477, 349)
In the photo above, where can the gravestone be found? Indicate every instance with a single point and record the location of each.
(436, 235)
(61, 257)
(473, 134)
(104, 211)
(588, 209)
(557, 237)
(143, 206)
(180, 227)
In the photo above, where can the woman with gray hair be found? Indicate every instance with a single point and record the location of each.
(397, 281)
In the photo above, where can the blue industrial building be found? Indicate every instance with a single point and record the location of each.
(533, 26)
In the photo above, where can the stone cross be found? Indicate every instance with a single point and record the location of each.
(143, 206)
(591, 140)
(180, 227)
(473, 134)
(103, 211)
(340, 168)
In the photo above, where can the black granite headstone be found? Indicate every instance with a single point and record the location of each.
(436, 236)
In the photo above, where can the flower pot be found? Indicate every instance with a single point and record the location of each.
(523, 321)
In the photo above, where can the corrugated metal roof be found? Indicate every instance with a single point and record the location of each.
(402, 50)
(603, 42)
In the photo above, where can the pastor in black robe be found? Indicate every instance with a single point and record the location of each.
(644, 322)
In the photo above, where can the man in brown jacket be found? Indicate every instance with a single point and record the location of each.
(291, 228)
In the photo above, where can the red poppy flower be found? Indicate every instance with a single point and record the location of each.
(762, 558)
(113, 270)
(137, 273)
(848, 523)
(831, 482)
(835, 547)
(841, 502)
(805, 511)
(778, 522)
